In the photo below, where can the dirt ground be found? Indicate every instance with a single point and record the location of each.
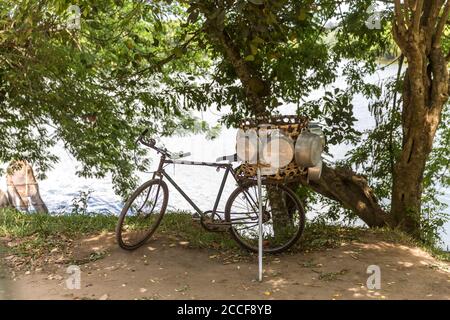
(165, 269)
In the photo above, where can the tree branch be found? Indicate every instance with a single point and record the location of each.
(353, 192)
(417, 15)
(400, 18)
(441, 26)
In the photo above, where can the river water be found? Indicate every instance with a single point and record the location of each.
(201, 183)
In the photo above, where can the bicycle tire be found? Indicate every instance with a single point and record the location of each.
(119, 228)
(252, 248)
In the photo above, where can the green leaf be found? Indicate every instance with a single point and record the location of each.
(302, 15)
(178, 52)
(250, 58)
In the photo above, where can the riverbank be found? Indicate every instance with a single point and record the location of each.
(184, 262)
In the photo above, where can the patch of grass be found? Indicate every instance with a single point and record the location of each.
(181, 226)
(397, 236)
(17, 224)
(436, 252)
(34, 235)
(332, 276)
(319, 236)
(94, 256)
(310, 264)
(30, 236)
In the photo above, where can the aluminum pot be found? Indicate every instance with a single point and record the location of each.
(247, 146)
(277, 149)
(308, 149)
(315, 128)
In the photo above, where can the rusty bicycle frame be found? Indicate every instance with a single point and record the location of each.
(160, 173)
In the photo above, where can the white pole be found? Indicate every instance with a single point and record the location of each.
(260, 243)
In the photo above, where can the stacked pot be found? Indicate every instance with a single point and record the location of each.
(308, 151)
(274, 149)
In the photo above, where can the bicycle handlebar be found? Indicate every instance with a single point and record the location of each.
(151, 143)
(180, 155)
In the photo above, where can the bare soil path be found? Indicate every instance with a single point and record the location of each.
(168, 269)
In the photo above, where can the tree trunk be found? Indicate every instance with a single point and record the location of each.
(425, 92)
(353, 192)
(282, 223)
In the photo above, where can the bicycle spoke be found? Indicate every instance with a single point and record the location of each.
(142, 215)
(283, 218)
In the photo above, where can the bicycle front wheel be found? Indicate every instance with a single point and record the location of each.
(142, 214)
(283, 217)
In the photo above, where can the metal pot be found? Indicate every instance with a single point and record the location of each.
(277, 149)
(247, 146)
(308, 150)
(316, 128)
(314, 173)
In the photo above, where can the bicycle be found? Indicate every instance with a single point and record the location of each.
(283, 212)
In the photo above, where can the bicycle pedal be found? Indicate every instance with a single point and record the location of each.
(212, 226)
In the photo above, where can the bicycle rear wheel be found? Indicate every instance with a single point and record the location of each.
(142, 214)
(283, 217)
